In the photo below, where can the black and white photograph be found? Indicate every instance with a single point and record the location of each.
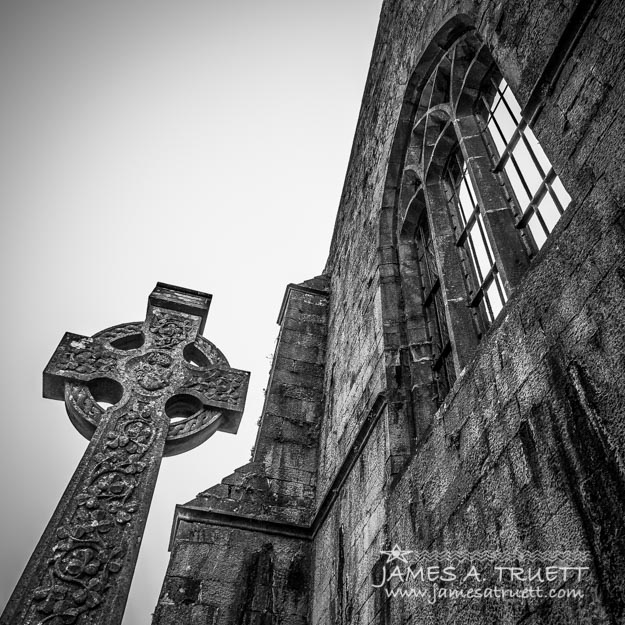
(330, 299)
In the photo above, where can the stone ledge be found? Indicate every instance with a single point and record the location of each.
(192, 514)
(302, 289)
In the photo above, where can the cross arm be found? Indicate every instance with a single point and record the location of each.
(78, 358)
(169, 389)
(220, 387)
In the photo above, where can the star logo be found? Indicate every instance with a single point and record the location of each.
(396, 553)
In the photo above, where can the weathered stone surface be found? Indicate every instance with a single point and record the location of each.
(247, 541)
(506, 447)
(527, 451)
(162, 369)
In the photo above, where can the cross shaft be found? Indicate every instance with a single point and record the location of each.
(171, 390)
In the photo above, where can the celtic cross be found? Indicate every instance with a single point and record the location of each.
(170, 389)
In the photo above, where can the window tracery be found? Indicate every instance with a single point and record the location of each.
(434, 309)
(478, 197)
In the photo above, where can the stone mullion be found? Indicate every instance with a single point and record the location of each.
(460, 322)
(85, 559)
(510, 256)
(417, 335)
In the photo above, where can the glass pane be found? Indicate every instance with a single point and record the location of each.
(506, 122)
(517, 186)
(467, 180)
(492, 293)
(475, 280)
(500, 289)
(511, 101)
(489, 249)
(498, 140)
(560, 191)
(496, 102)
(548, 211)
(538, 151)
(465, 200)
(537, 231)
(487, 312)
(528, 169)
(481, 254)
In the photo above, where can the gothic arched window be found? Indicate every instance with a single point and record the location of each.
(478, 198)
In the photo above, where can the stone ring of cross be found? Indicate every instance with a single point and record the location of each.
(164, 360)
(169, 389)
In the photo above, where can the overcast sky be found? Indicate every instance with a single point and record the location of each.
(198, 143)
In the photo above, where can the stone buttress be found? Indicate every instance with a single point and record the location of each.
(240, 551)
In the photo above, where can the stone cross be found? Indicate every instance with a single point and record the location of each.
(170, 389)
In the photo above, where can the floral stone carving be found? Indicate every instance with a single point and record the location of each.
(81, 570)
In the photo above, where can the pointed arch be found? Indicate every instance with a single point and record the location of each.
(453, 241)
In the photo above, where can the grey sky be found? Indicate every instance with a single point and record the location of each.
(198, 143)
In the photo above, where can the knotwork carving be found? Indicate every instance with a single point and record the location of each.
(168, 330)
(155, 370)
(194, 423)
(80, 399)
(117, 332)
(212, 354)
(90, 548)
(121, 388)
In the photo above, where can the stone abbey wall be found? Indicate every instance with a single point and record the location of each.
(527, 452)
(241, 550)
